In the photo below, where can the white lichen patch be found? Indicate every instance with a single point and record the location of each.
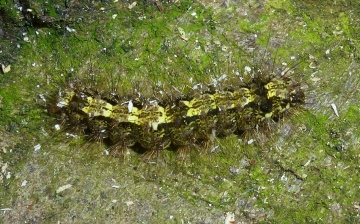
(63, 188)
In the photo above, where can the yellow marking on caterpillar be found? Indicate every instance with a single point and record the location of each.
(97, 107)
(223, 101)
(154, 116)
(277, 88)
(201, 105)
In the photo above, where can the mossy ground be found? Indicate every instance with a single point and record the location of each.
(306, 169)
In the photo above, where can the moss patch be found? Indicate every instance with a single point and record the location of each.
(309, 161)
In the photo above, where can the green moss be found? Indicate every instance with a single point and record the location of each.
(298, 164)
(9, 15)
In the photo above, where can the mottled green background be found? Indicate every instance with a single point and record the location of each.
(304, 170)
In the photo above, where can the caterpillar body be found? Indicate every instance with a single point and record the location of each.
(179, 124)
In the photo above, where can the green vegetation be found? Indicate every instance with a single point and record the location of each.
(306, 169)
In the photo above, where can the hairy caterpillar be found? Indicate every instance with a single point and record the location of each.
(181, 123)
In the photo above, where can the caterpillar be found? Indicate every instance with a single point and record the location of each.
(178, 123)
